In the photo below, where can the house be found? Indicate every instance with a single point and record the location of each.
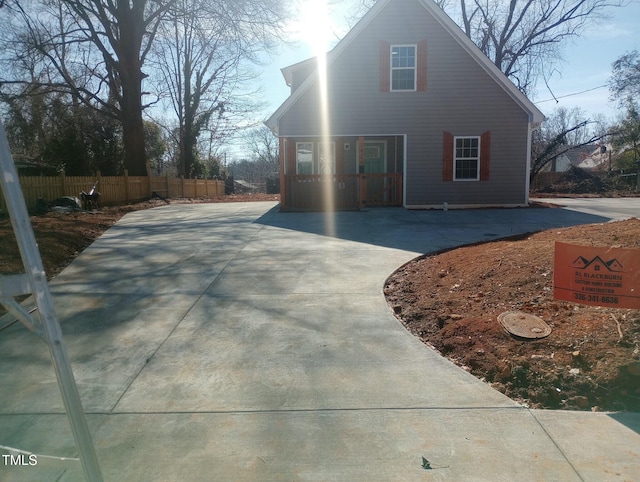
(598, 159)
(415, 116)
(571, 158)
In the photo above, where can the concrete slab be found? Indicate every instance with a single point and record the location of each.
(235, 342)
(363, 445)
(109, 339)
(611, 208)
(256, 353)
(600, 446)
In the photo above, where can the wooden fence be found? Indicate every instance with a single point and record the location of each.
(114, 190)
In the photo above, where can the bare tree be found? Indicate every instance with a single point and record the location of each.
(95, 51)
(523, 38)
(563, 131)
(562, 120)
(625, 78)
(200, 55)
(263, 145)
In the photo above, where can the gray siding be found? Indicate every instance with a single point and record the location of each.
(299, 75)
(461, 98)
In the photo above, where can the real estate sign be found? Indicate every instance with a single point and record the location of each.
(601, 276)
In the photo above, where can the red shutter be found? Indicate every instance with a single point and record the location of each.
(385, 66)
(291, 157)
(421, 65)
(485, 155)
(447, 155)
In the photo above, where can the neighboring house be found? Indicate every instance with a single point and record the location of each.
(592, 157)
(562, 163)
(598, 159)
(241, 185)
(416, 116)
(571, 158)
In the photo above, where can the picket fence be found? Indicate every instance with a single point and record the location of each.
(114, 190)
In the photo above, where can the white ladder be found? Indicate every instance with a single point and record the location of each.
(34, 282)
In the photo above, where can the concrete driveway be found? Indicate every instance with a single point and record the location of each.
(235, 342)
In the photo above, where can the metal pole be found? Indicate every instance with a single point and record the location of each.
(50, 325)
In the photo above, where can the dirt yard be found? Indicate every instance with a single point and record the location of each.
(591, 359)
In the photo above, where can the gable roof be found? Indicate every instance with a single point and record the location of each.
(535, 115)
(287, 72)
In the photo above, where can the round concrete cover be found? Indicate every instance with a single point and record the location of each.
(524, 325)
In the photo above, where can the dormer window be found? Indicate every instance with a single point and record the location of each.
(403, 67)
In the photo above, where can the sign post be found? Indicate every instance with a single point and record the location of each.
(598, 276)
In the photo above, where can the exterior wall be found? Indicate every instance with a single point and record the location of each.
(460, 98)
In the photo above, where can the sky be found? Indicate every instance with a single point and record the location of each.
(586, 66)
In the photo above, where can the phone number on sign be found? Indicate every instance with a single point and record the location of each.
(613, 300)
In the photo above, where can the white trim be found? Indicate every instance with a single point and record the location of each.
(464, 206)
(455, 158)
(392, 68)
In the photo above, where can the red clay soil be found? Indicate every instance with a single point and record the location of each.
(591, 359)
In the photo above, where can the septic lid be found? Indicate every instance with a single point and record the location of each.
(524, 325)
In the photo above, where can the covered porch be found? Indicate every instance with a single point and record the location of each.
(341, 172)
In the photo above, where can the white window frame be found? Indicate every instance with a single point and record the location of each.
(414, 68)
(456, 159)
(298, 162)
(332, 153)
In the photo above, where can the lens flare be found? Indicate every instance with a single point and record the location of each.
(318, 35)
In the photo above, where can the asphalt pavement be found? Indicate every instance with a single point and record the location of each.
(223, 342)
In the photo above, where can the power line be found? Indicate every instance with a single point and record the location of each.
(570, 95)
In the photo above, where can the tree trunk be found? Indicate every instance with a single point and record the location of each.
(131, 23)
(135, 160)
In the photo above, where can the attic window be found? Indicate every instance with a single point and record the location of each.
(403, 67)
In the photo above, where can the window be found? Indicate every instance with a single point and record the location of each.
(327, 158)
(304, 157)
(467, 159)
(403, 67)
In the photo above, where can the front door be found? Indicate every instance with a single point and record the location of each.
(375, 162)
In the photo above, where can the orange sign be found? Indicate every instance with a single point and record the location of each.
(600, 276)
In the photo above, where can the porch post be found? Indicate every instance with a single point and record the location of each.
(361, 175)
(282, 160)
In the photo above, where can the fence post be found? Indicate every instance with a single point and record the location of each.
(167, 182)
(63, 184)
(126, 185)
